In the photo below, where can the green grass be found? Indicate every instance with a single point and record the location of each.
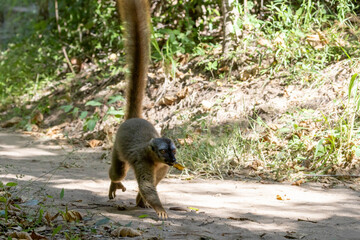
(302, 142)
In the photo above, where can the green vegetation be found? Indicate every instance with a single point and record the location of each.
(45, 215)
(294, 41)
(282, 104)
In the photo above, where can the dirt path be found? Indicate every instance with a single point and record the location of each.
(226, 209)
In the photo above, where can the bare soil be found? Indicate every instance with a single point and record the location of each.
(203, 209)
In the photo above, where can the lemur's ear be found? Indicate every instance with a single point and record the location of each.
(152, 144)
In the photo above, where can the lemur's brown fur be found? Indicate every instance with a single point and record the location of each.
(137, 143)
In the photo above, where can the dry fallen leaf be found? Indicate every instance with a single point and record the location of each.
(36, 236)
(178, 166)
(264, 42)
(13, 121)
(50, 218)
(94, 143)
(37, 118)
(179, 75)
(57, 130)
(270, 138)
(198, 131)
(224, 69)
(256, 164)
(34, 128)
(167, 100)
(245, 75)
(71, 216)
(183, 59)
(20, 235)
(54, 130)
(318, 40)
(282, 198)
(298, 182)
(125, 232)
(183, 93)
(187, 140)
(278, 197)
(219, 83)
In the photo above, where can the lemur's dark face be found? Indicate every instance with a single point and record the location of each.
(165, 149)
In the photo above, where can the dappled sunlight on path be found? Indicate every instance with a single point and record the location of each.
(208, 208)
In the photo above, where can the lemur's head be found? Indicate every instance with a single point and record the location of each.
(164, 149)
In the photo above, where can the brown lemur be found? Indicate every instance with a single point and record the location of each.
(137, 143)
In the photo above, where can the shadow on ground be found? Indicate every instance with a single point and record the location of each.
(226, 209)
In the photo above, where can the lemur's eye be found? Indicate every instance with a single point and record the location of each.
(174, 151)
(162, 151)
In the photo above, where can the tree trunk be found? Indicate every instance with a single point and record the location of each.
(231, 32)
